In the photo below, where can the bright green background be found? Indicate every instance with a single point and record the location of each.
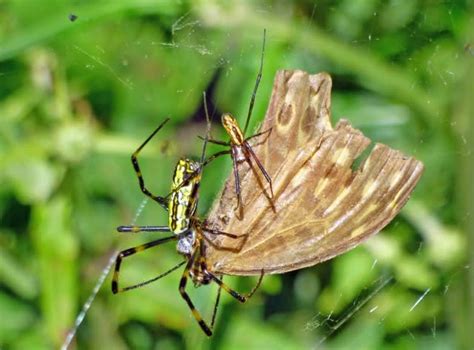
(76, 98)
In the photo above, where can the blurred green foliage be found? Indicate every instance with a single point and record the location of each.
(77, 97)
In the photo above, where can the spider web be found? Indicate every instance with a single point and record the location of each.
(326, 326)
(100, 281)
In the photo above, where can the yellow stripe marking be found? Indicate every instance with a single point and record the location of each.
(338, 200)
(320, 186)
(341, 156)
(369, 188)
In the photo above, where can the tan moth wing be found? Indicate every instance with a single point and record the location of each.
(323, 207)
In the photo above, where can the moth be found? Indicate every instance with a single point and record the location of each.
(322, 207)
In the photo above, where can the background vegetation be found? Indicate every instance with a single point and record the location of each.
(78, 95)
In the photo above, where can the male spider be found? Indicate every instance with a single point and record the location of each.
(240, 148)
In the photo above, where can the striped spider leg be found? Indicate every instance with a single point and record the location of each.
(196, 269)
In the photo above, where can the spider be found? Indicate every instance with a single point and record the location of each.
(186, 228)
(240, 149)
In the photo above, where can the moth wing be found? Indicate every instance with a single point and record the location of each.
(322, 207)
(297, 115)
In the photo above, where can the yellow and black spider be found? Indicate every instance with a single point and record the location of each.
(188, 230)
